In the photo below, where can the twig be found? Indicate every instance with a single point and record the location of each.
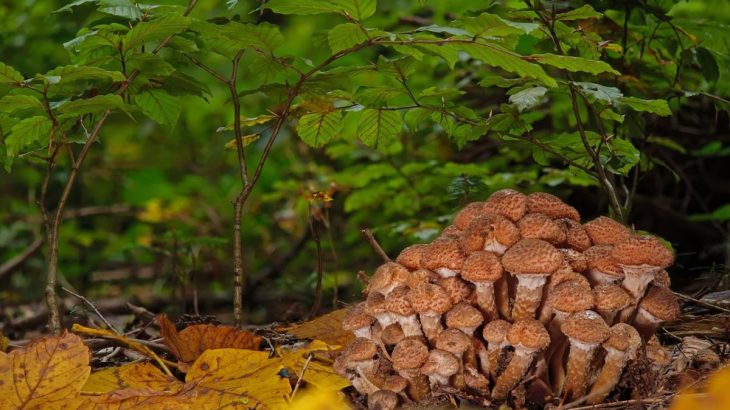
(301, 375)
(375, 245)
(93, 307)
(699, 302)
(17, 260)
(317, 241)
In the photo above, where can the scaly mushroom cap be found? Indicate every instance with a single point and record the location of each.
(561, 277)
(357, 318)
(623, 337)
(453, 341)
(375, 304)
(656, 353)
(539, 226)
(382, 400)
(387, 276)
(482, 266)
(450, 232)
(410, 257)
(570, 297)
(586, 327)
(533, 257)
(551, 205)
(429, 297)
(528, 333)
(395, 383)
(409, 354)
(508, 203)
(495, 332)
(468, 214)
(606, 231)
(661, 303)
(576, 260)
(489, 227)
(397, 303)
(444, 253)
(392, 334)
(361, 349)
(576, 236)
(643, 250)
(442, 363)
(662, 279)
(599, 257)
(464, 315)
(457, 289)
(611, 297)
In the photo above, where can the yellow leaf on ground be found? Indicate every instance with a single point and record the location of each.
(320, 400)
(318, 371)
(134, 376)
(716, 396)
(46, 374)
(4, 343)
(236, 378)
(327, 328)
(147, 399)
(192, 341)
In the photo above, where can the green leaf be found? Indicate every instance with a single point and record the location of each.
(154, 30)
(9, 75)
(581, 13)
(575, 64)
(667, 142)
(344, 36)
(73, 4)
(71, 73)
(710, 69)
(720, 214)
(490, 25)
(359, 9)
(121, 8)
(659, 107)
(93, 105)
(159, 106)
(498, 56)
(379, 127)
(611, 95)
(434, 28)
(27, 132)
(11, 104)
(246, 140)
(317, 129)
(528, 98)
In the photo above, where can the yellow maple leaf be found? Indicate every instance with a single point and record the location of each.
(134, 375)
(4, 343)
(320, 400)
(316, 370)
(46, 374)
(716, 396)
(327, 328)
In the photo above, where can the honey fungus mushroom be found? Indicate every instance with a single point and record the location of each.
(528, 336)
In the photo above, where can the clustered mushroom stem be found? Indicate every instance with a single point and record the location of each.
(579, 362)
(528, 297)
(609, 375)
(486, 300)
(512, 375)
(501, 290)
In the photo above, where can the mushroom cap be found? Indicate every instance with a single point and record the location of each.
(464, 315)
(382, 400)
(482, 266)
(395, 383)
(576, 260)
(656, 353)
(661, 303)
(586, 326)
(570, 296)
(392, 334)
(576, 236)
(508, 203)
(643, 250)
(361, 349)
(441, 362)
(397, 303)
(529, 333)
(457, 289)
(453, 341)
(450, 232)
(532, 256)
(561, 276)
(489, 226)
(623, 337)
(444, 253)
(467, 214)
(356, 318)
(410, 257)
(495, 332)
(599, 257)
(611, 297)
(606, 231)
(375, 303)
(551, 205)
(386, 274)
(429, 297)
(662, 278)
(539, 226)
(410, 353)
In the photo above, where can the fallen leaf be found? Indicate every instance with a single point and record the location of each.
(134, 376)
(320, 400)
(237, 378)
(188, 344)
(716, 396)
(147, 399)
(327, 328)
(4, 343)
(318, 371)
(46, 374)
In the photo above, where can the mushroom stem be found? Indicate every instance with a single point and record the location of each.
(501, 290)
(486, 300)
(646, 324)
(528, 297)
(579, 363)
(512, 375)
(492, 245)
(556, 352)
(609, 375)
(410, 325)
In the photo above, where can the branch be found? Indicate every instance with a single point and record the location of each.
(17, 260)
(375, 245)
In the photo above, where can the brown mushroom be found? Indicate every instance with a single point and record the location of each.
(483, 269)
(490, 232)
(602, 267)
(410, 257)
(457, 289)
(576, 260)
(408, 357)
(606, 231)
(358, 321)
(539, 226)
(576, 237)
(662, 279)
(450, 232)
(453, 341)
(659, 305)
(467, 214)
(475, 380)
(392, 335)
(382, 400)
(444, 257)
(495, 334)
(357, 364)
(375, 307)
(508, 203)
(528, 336)
(550, 205)
(464, 317)
(585, 330)
(622, 344)
(387, 277)
(439, 367)
(610, 299)
(430, 301)
(531, 261)
(400, 308)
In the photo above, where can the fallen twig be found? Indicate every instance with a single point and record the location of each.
(91, 305)
(701, 303)
(301, 375)
(375, 245)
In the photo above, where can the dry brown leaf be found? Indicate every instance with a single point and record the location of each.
(192, 341)
(46, 374)
(131, 376)
(327, 328)
(237, 378)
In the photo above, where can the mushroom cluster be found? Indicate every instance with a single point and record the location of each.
(516, 290)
